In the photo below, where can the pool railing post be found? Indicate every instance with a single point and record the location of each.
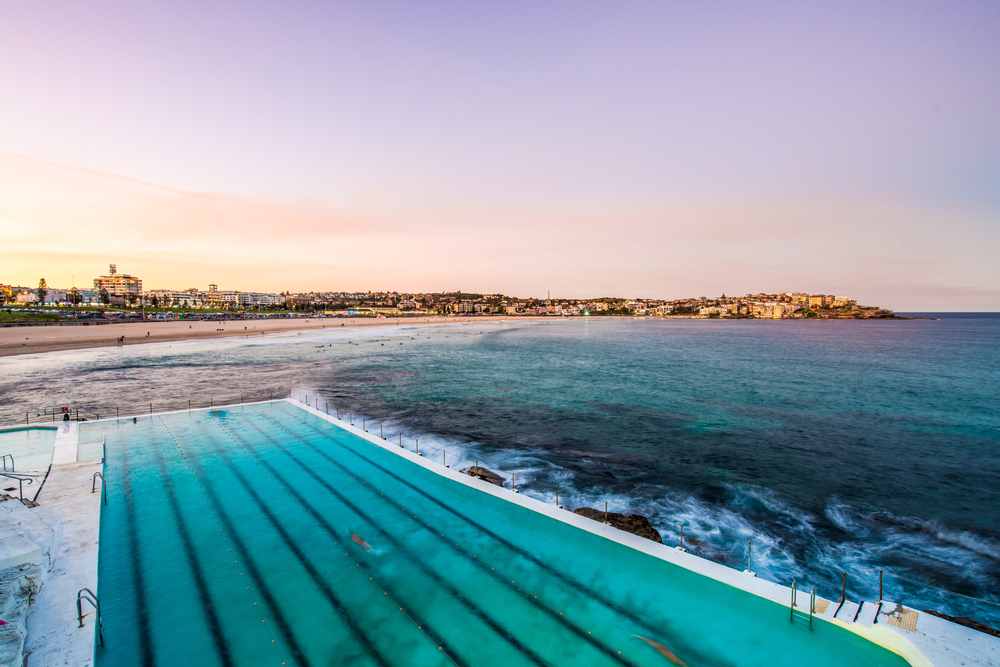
(557, 496)
(843, 594)
(605, 511)
(749, 556)
(380, 432)
(363, 427)
(791, 606)
(26, 420)
(117, 416)
(400, 440)
(189, 405)
(443, 454)
(211, 402)
(880, 584)
(682, 537)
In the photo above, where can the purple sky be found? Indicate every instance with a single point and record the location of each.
(635, 149)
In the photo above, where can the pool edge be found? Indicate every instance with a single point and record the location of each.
(919, 648)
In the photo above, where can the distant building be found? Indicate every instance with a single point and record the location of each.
(119, 285)
(293, 300)
(843, 301)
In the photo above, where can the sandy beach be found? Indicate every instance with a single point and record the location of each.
(53, 338)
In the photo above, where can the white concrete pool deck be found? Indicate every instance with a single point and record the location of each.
(55, 639)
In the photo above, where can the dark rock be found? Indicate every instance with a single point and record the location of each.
(967, 622)
(485, 475)
(636, 524)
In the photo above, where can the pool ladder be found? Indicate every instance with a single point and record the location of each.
(104, 486)
(87, 595)
(812, 604)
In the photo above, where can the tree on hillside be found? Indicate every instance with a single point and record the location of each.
(42, 290)
(155, 301)
(75, 297)
(105, 297)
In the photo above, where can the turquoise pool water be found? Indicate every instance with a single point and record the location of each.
(31, 448)
(264, 535)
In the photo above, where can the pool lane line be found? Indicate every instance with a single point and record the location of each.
(324, 587)
(469, 605)
(207, 605)
(431, 635)
(283, 625)
(593, 595)
(249, 590)
(147, 657)
(557, 615)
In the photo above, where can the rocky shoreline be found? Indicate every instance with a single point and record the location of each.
(636, 524)
(484, 474)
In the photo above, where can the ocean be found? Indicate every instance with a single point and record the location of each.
(829, 446)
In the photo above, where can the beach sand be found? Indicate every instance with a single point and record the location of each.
(53, 338)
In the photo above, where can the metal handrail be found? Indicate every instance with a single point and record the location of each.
(104, 485)
(50, 414)
(87, 595)
(21, 478)
(812, 603)
(11, 457)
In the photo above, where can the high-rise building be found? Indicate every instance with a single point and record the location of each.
(119, 285)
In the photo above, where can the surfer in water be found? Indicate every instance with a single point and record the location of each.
(361, 543)
(667, 653)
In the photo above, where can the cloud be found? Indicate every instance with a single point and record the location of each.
(60, 221)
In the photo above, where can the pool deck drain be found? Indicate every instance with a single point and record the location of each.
(53, 638)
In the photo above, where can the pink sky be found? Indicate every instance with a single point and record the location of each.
(645, 149)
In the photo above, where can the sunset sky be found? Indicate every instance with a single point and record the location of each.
(639, 149)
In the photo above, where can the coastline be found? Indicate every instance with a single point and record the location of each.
(39, 339)
(52, 338)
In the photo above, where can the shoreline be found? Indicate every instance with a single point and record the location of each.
(50, 338)
(42, 338)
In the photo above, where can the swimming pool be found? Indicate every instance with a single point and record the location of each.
(30, 447)
(264, 535)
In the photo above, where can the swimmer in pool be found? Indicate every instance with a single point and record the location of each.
(667, 653)
(361, 543)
